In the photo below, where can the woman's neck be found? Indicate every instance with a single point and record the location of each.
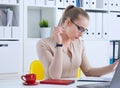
(66, 40)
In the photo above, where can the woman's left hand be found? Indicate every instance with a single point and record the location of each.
(114, 65)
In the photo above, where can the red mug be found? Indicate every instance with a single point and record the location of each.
(29, 78)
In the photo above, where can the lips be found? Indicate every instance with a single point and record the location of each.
(76, 37)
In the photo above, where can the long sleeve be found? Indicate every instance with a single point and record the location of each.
(92, 71)
(55, 68)
(53, 63)
(85, 65)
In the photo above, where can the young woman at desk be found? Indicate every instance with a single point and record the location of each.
(62, 53)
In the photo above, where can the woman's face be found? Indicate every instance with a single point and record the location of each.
(76, 28)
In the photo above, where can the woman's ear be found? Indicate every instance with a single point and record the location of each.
(67, 21)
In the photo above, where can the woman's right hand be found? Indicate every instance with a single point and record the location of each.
(58, 31)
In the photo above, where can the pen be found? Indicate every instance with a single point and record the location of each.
(82, 80)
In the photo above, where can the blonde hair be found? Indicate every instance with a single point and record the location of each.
(73, 12)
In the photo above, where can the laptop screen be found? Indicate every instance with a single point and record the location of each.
(115, 83)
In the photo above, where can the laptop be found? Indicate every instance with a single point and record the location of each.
(115, 83)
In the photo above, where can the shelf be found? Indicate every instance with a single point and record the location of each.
(96, 10)
(5, 39)
(115, 11)
(41, 6)
(63, 7)
(11, 37)
(9, 4)
(34, 15)
(34, 38)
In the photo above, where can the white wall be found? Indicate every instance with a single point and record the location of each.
(97, 52)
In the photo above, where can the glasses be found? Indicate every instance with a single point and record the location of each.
(80, 29)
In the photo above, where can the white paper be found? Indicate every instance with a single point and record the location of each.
(15, 32)
(1, 32)
(9, 17)
(97, 78)
(7, 31)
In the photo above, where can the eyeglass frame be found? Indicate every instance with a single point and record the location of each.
(80, 29)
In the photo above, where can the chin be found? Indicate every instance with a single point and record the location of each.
(77, 37)
(74, 39)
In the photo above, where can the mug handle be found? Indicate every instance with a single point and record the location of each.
(23, 77)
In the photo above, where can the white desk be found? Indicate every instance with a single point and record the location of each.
(18, 84)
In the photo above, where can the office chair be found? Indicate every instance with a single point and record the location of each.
(78, 75)
(37, 68)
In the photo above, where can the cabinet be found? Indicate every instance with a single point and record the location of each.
(10, 56)
(11, 38)
(10, 21)
(99, 28)
(103, 12)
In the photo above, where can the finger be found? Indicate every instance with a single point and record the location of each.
(61, 29)
(58, 30)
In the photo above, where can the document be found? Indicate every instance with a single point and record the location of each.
(95, 79)
(106, 24)
(9, 17)
(92, 27)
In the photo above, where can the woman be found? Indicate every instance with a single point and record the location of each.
(62, 53)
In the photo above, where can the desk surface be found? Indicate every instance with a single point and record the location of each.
(17, 83)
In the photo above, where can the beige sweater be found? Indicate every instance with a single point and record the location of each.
(57, 63)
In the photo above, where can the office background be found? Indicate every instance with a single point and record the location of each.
(20, 31)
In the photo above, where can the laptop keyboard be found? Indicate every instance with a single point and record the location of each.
(96, 85)
(103, 86)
